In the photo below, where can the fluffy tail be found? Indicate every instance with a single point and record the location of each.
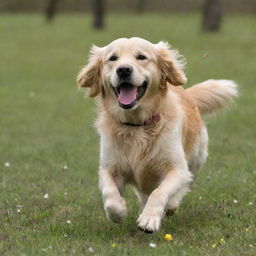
(211, 95)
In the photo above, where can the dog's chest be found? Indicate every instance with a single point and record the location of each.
(140, 158)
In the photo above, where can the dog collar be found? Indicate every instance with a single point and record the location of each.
(152, 120)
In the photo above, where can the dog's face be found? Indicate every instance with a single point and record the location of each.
(130, 72)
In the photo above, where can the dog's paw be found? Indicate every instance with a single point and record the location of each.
(116, 210)
(149, 223)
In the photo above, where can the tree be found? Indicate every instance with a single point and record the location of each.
(98, 14)
(140, 7)
(51, 9)
(212, 14)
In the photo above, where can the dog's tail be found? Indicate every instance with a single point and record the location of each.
(211, 95)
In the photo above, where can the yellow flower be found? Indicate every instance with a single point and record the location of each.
(113, 245)
(214, 245)
(168, 237)
(222, 240)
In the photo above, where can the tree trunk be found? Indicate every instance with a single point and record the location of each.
(51, 9)
(98, 14)
(212, 14)
(140, 6)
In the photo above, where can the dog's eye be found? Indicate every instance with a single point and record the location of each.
(113, 58)
(141, 57)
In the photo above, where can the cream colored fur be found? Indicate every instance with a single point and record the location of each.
(213, 94)
(160, 159)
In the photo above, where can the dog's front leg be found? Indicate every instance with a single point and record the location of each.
(151, 216)
(114, 203)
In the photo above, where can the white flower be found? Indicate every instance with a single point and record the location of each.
(19, 206)
(90, 249)
(69, 221)
(46, 196)
(152, 245)
(7, 164)
(65, 193)
(65, 167)
(250, 203)
(235, 201)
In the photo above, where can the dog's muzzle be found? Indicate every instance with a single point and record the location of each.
(129, 95)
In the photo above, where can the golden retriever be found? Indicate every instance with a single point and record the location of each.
(151, 128)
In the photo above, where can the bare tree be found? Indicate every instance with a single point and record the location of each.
(212, 14)
(51, 9)
(140, 7)
(98, 13)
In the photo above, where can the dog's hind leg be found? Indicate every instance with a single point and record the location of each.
(174, 202)
(141, 197)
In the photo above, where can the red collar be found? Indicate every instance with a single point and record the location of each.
(152, 120)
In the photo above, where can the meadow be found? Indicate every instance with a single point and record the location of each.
(50, 203)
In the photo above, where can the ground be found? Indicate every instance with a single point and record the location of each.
(50, 203)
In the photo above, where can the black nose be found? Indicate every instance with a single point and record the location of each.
(124, 71)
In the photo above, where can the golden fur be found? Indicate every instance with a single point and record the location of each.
(159, 159)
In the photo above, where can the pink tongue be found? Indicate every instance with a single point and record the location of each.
(127, 95)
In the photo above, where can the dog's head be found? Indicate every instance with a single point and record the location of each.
(130, 72)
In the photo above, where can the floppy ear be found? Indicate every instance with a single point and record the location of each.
(90, 75)
(170, 64)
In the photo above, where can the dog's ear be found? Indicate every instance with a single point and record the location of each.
(170, 64)
(90, 75)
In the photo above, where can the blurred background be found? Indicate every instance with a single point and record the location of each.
(101, 7)
(49, 149)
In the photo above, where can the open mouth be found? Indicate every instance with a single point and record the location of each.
(128, 95)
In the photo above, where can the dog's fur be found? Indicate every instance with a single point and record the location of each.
(158, 159)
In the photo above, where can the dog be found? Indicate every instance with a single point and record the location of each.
(152, 134)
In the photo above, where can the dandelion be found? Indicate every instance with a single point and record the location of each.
(152, 245)
(214, 245)
(168, 237)
(113, 245)
(7, 164)
(46, 196)
(222, 240)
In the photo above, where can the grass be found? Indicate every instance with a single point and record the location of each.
(46, 124)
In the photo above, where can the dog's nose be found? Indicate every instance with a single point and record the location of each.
(124, 71)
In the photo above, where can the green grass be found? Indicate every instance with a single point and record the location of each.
(45, 123)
